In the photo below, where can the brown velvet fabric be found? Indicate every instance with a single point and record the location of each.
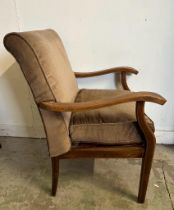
(45, 65)
(110, 125)
(44, 62)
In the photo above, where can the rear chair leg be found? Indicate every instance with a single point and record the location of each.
(55, 174)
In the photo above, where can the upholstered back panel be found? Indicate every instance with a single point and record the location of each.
(44, 62)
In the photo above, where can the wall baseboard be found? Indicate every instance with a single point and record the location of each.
(22, 131)
(162, 136)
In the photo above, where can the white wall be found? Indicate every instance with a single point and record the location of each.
(97, 34)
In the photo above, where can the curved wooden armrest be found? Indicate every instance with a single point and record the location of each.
(96, 104)
(106, 71)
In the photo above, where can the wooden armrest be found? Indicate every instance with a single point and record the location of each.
(106, 71)
(96, 104)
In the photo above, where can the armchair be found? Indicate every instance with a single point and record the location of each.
(84, 123)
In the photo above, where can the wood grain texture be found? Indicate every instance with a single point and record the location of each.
(150, 142)
(106, 71)
(96, 104)
(136, 151)
(124, 81)
(122, 70)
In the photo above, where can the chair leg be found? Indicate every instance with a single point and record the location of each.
(55, 174)
(0, 146)
(149, 150)
(145, 173)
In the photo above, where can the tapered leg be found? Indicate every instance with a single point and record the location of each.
(150, 142)
(145, 173)
(0, 146)
(55, 174)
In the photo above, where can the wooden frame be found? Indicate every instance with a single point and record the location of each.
(89, 105)
(144, 151)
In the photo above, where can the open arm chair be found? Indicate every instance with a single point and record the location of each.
(84, 123)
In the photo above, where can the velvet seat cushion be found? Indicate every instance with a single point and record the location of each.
(113, 125)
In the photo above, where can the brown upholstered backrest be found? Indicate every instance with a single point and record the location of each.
(44, 62)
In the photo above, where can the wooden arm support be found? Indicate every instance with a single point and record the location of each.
(106, 71)
(123, 70)
(96, 104)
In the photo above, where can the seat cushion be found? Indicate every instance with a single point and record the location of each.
(113, 125)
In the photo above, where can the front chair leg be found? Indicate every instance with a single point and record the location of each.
(55, 174)
(149, 151)
(145, 173)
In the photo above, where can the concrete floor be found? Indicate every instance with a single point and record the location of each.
(25, 180)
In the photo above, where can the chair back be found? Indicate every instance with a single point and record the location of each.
(44, 62)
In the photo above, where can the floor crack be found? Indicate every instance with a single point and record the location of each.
(168, 191)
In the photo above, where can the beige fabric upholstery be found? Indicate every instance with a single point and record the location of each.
(45, 65)
(114, 125)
